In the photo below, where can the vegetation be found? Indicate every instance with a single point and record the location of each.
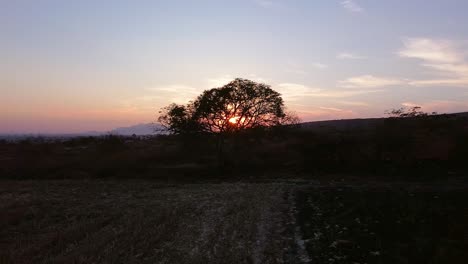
(239, 105)
(404, 112)
(433, 146)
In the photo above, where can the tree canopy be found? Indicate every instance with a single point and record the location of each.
(239, 105)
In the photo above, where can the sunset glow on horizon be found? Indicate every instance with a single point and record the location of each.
(76, 66)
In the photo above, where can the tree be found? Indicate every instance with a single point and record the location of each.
(239, 105)
(178, 119)
(403, 112)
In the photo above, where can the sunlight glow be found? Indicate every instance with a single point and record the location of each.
(233, 120)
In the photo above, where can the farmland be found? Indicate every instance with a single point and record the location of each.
(280, 221)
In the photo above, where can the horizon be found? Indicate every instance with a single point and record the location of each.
(86, 66)
(115, 131)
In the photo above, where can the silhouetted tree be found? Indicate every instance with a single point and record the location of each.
(403, 112)
(239, 105)
(178, 119)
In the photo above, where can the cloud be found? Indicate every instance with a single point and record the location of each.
(442, 56)
(353, 103)
(220, 81)
(332, 109)
(349, 56)
(368, 81)
(176, 93)
(441, 82)
(340, 93)
(296, 92)
(435, 51)
(227, 78)
(439, 106)
(460, 69)
(296, 68)
(258, 79)
(352, 6)
(173, 88)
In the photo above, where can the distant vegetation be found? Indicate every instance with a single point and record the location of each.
(403, 112)
(420, 146)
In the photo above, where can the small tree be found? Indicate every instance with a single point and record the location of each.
(177, 118)
(404, 112)
(239, 105)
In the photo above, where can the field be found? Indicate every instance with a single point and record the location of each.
(280, 221)
(385, 223)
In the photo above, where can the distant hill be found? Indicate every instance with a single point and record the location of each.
(343, 124)
(139, 130)
(359, 123)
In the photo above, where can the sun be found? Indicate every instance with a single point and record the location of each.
(233, 120)
(237, 120)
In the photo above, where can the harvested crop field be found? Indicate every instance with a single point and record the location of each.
(280, 222)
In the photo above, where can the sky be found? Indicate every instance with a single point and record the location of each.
(93, 65)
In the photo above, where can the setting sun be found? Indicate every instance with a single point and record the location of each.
(233, 120)
(237, 120)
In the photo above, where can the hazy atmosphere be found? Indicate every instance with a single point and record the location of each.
(72, 66)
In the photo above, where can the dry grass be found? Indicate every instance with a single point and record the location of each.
(140, 222)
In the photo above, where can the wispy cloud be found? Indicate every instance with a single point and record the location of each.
(353, 103)
(219, 81)
(439, 106)
(227, 78)
(296, 92)
(462, 82)
(369, 81)
(349, 56)
(332, 109)
(430, 50)
(442, 56)
(352, 6)
(176, 93)
(173, 88)
(325, 93)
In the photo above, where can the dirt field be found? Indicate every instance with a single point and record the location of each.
(399, 223)
(281, 222)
